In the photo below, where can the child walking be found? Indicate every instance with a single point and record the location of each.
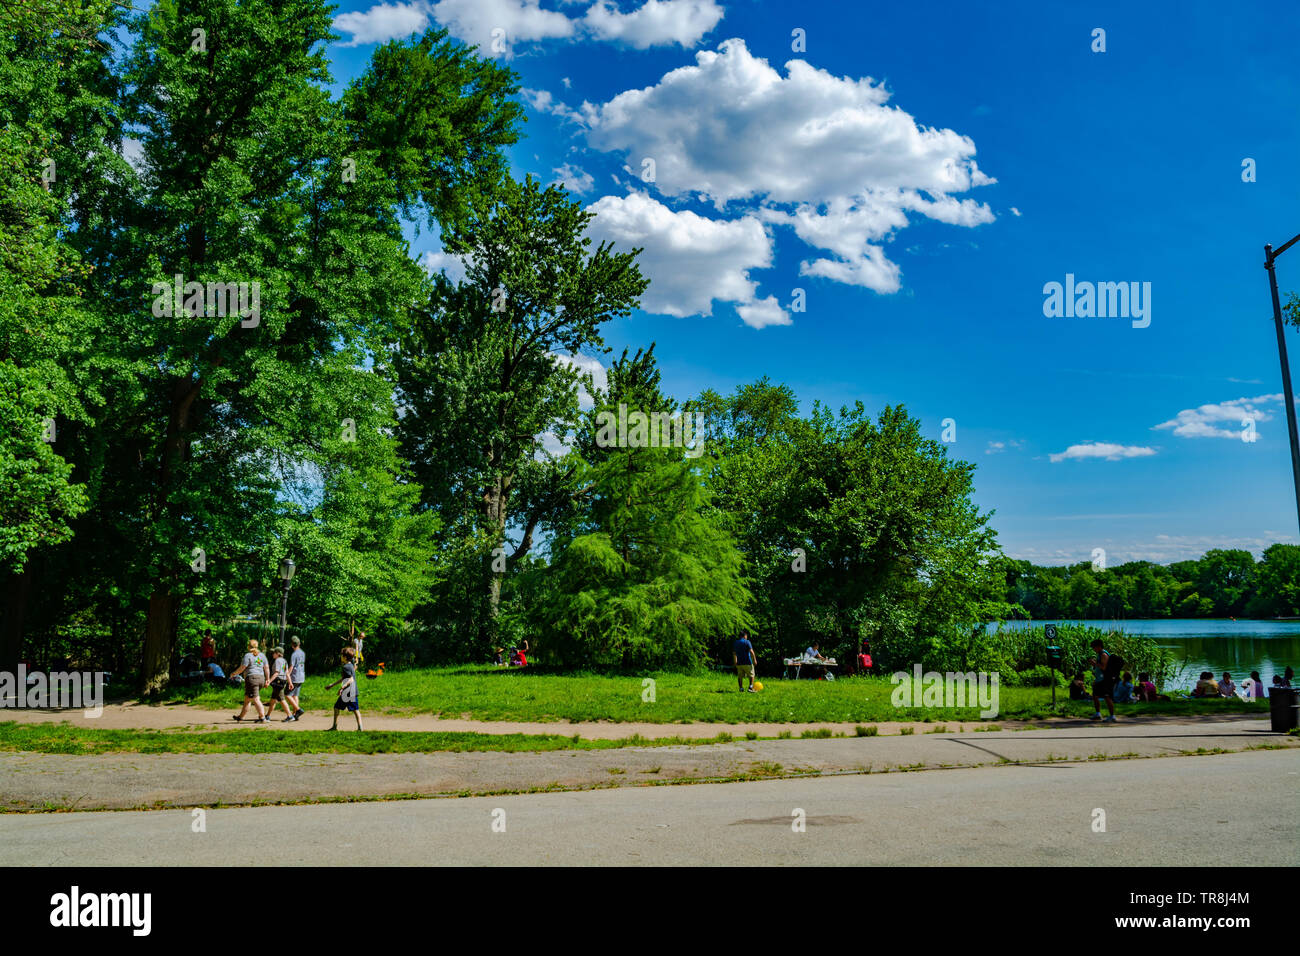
(347, 699)
(279, 683)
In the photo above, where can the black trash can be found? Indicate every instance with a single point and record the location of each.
(1284, 708)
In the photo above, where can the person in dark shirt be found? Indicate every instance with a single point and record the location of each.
(742, 656)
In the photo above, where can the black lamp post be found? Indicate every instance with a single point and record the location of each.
(1288, 399)
(286, 575)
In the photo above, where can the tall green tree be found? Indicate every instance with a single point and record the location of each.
(856, 528)
(58, 130)
(251, 173)
(479, 377)
(652, 580)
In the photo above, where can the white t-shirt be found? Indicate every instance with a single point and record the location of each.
(298, 666)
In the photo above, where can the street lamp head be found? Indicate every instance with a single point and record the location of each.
(286, 569)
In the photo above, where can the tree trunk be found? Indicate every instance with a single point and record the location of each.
(160, 627)
(17, 587)
(159, 638)
(494, 507)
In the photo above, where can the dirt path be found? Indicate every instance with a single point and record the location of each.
(136, 716)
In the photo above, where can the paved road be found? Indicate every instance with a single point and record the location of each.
(154, 781)
(1176, 811)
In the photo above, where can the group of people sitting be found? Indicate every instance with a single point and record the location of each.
(1252, 688)
(1126, 692)
(518, 656)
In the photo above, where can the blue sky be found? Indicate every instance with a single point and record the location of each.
(921, 172)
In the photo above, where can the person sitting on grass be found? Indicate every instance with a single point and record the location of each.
(1146, 689)
(1078, 687)
(213, 672)
(347, 685)
(1226, 686)
(1206, 686)
(1124, 689)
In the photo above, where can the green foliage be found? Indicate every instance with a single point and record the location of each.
(854, 528)
(1222, 583)
(649, 579)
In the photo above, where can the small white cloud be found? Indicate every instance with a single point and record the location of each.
(654, 23)
(383, 22)
(473, 21)
(543, 102)
(1104, 450)
(568, 83)
(453, 267)
(574, 179)
(994, 447)
(1015, 211)
(762, 313)
(1205, 420)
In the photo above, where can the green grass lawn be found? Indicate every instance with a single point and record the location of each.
(489, 693)
(69, 739)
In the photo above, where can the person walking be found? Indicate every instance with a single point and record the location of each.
(297, 674)
(254, 668)
(347, 685)
(742, 656)
(279, 683)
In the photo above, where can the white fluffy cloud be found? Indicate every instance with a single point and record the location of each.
(654, 23)
(1100, 449)
(383, 22)
(1206, 421)
(824, 155)
(493, 25)
(691, 260)
(520, 20)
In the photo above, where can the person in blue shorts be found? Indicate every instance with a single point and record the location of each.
(347, 685)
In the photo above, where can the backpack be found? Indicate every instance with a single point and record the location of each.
(1114, 666)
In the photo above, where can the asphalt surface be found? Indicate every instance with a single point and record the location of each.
(136, 780)
(1179, 811)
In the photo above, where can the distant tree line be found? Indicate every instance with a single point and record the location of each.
(1221, 583)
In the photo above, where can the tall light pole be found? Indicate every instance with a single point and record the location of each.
(1288, 397)
(286, 575)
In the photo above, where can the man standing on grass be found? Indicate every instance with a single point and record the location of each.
(742, 655)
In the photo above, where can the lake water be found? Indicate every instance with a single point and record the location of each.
(1237, 647)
